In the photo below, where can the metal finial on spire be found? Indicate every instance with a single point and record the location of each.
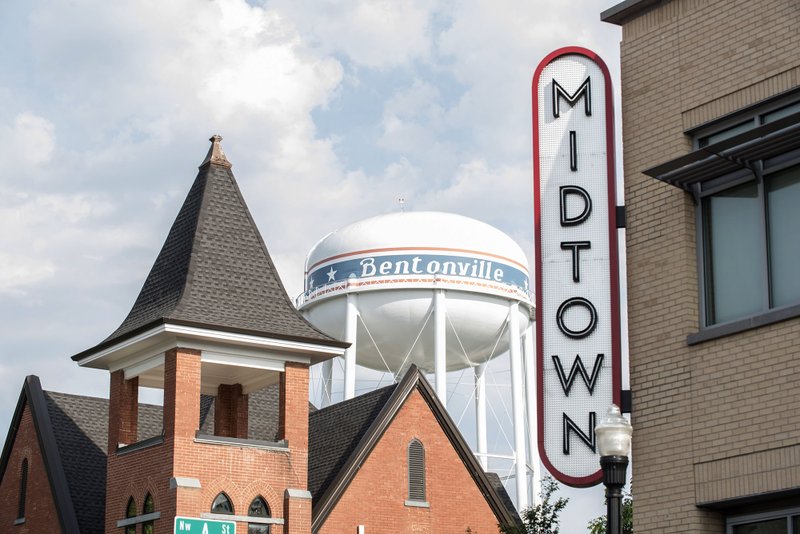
(215, 154)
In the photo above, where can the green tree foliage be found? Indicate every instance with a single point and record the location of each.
(598, 524)
(540, 518)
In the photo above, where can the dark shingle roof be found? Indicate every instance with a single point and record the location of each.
(214, 271)
(497, 485)
(80, 427)
(335, 432)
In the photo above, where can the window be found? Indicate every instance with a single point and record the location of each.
(416, 471)
(222, 504)
(23, 489)
(744, 176)
(778, 522)
(149, 507)
(258, 508)
(746, 120)
(750, 249)
(130, 511)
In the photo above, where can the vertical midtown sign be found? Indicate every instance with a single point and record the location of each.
(577, 276)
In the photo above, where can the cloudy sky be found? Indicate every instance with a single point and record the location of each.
(330, 112)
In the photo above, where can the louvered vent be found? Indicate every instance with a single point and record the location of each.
(416, 471)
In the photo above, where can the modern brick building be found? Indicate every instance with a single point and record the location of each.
(711, 129)
(234, 441)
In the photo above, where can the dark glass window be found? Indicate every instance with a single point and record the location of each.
(23, 489)
(416, 471)
(772, 526)
(130, 511)
(771, 522)
(733, 261)
(751, 250)
(222, 504)
(149, 507)
(258, 508)
(783, 201)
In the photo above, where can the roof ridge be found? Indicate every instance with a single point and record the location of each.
(32, 395)
(201, 215)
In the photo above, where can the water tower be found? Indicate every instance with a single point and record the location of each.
(439, 290)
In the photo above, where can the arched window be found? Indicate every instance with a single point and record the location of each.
(222, 504)
(130, 511)
(416, 471)
(148, 508)
(23, 489)
(258, 508)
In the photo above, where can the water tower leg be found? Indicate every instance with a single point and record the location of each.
(327, 378)
(439, 344)
(518, 405)
(480, 414)
(350, 330)
(530, 400)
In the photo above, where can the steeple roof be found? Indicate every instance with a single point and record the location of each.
(214, 270)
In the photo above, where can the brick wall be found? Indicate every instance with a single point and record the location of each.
(684, 63)
(376, 496)
(243, 473)
(40, 510)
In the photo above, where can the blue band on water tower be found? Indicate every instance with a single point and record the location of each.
(401, 265)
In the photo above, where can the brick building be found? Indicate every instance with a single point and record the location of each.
(711, 129)
(234, 440)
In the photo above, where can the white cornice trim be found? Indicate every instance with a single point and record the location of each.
(239, 360)
(135, 340)
(247, 339)
(142, 366)
(199, 338)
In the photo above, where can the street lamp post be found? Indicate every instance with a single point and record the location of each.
(614, 443)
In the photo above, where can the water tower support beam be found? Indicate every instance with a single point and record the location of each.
(480, 414)
(439, 343)
(530, 401)
(350, 334)
(518, 405)
(327, 378)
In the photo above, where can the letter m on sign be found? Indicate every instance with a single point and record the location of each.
(585, 91)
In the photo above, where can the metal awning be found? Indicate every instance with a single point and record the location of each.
(729, 155)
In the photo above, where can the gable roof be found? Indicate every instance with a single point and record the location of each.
(73, 437)
(33, 397)
(214, 270)
(413, 380)
(335, 431)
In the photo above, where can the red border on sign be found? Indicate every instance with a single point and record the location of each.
(616, 363)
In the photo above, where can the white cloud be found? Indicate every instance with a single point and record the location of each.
(330, 112)
(370, 33)
(17, 271)
(29, 141)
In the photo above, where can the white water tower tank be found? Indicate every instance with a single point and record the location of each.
(395, 263)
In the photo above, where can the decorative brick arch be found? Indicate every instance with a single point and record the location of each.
(150, 487)
(265, 490)
(227, 485)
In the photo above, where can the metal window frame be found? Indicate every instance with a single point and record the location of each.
(737, 520)
(754, 113)
(759, 172)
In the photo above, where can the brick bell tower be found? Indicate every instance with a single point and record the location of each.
(212, 319)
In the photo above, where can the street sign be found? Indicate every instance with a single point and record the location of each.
(192, 525)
